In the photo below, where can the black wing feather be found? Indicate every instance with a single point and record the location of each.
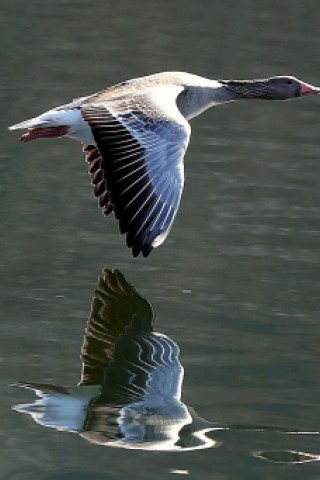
(143, 187)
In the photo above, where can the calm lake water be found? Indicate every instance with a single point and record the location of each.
(236, 284)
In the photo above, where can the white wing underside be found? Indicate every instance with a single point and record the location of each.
(142, 141)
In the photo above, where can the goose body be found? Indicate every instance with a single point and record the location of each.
(135, 135)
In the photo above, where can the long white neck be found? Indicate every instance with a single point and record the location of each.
(194, 100)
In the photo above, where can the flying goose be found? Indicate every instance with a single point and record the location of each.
(135, 136)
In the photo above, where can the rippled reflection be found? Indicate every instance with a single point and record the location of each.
(287, 456)
(129, 394)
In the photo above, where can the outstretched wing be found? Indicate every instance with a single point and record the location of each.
(114, 304)
(142, 148)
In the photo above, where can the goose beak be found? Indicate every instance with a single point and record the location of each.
(306, 89)
(44, 132)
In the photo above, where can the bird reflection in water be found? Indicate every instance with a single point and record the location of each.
(129, 394)
(130, 387)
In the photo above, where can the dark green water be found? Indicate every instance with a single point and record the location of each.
(237, 282)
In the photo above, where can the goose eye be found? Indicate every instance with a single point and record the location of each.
(289, 81)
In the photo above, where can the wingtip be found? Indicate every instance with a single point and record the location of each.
(146, 251)
(137, 248)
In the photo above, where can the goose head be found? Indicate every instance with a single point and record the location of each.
(273, 88)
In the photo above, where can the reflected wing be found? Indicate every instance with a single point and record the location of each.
(114, 304)
(145, 367)
(142, 165)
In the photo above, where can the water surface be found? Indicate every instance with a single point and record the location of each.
(237, 282)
